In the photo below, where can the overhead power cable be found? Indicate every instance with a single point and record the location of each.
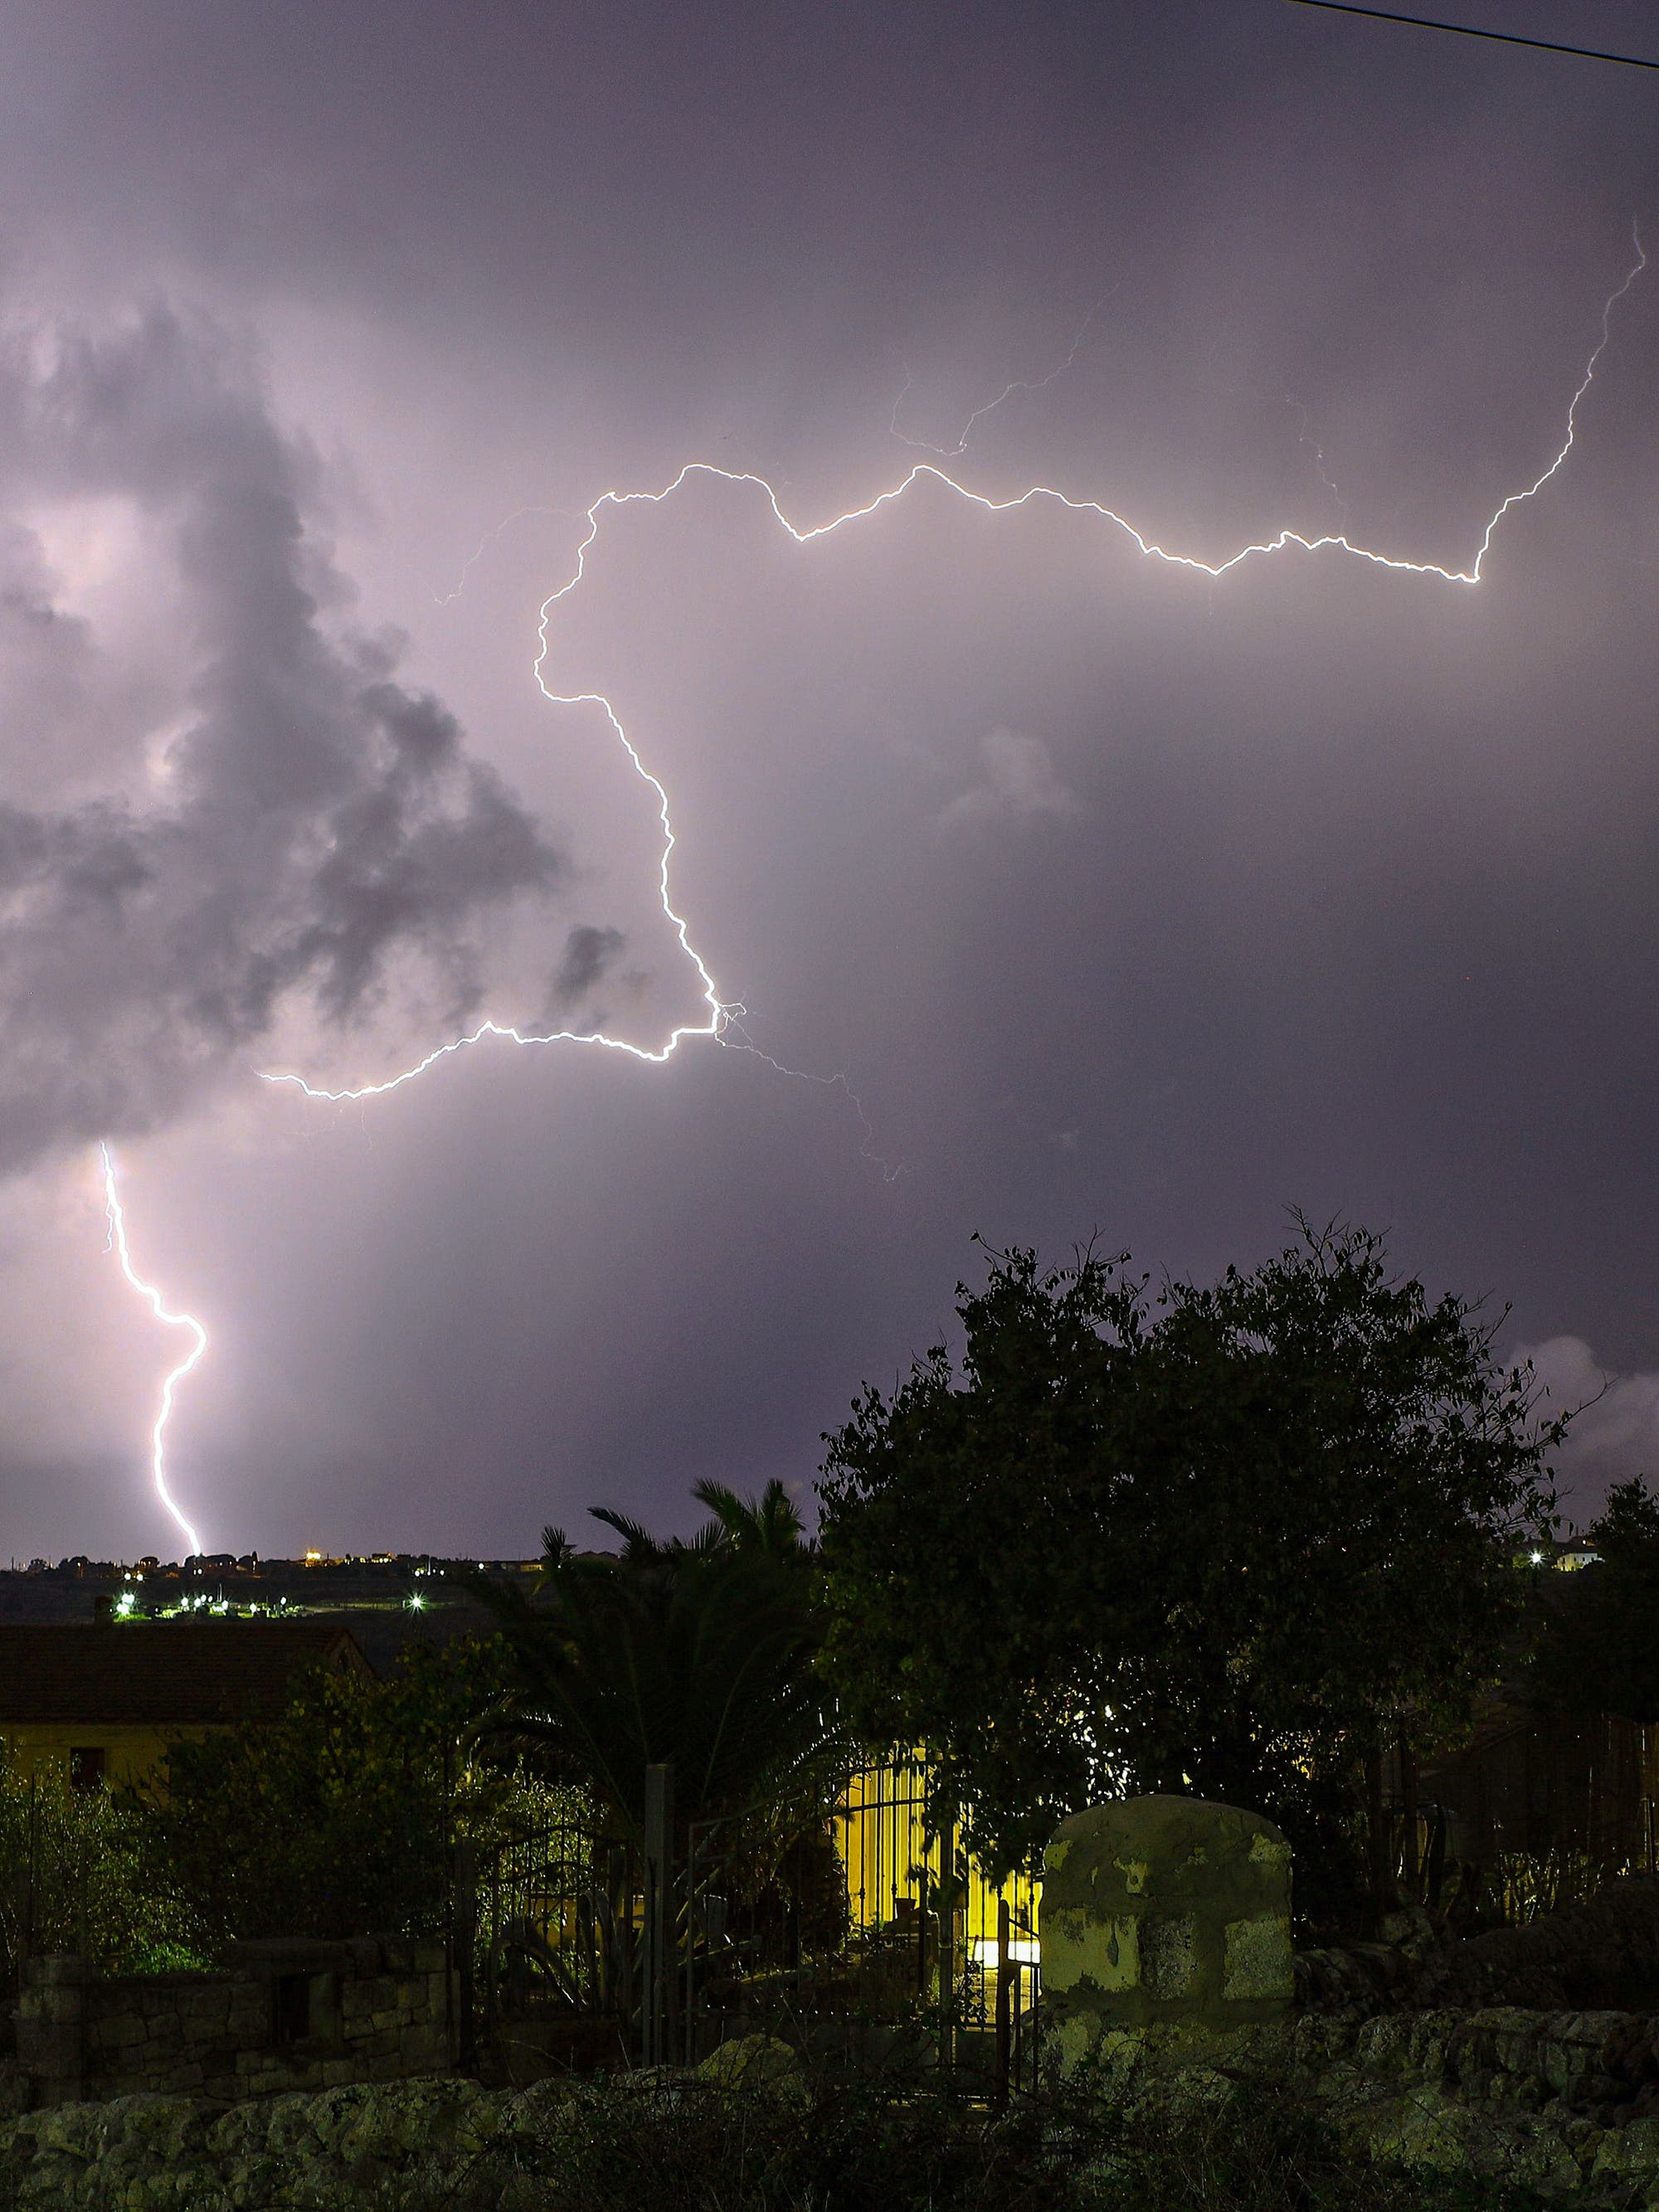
(1468, 31)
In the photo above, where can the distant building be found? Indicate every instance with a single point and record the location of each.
(104, 1703)
(387, 1600)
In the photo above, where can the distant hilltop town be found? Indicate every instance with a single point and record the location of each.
(393, 1598)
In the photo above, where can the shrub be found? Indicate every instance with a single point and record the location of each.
(83, 1870)
(337, 1818)
(834, 2142)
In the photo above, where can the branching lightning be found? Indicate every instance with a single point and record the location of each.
(722, 1019)
(1018, 384)
(116, 1215)
(448, 599)
(720, 1015)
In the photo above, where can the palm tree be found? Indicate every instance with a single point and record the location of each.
(769, 1523)
(699, 1651)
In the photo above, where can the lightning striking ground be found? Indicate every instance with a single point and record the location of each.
(720, 1014)
(116, 1215)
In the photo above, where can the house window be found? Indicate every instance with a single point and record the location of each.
(86, 1765)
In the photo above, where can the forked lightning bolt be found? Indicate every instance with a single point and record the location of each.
(118, 1233)
(721, 1015)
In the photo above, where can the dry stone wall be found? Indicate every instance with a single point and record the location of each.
(283, 2016)
(327, 2153)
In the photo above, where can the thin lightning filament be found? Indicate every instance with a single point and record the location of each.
(116, 1214)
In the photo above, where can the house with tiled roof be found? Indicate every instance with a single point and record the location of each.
(106, 1702)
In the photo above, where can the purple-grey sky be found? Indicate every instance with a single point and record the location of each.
(1125, 899)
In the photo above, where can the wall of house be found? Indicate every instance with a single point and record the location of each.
(881, 1834)
(131, 1755)
(283, 2016)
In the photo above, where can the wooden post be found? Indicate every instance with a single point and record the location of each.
(947, 1940)
(1434, 1877)
(658, 1913)
(1001, 2078)
(464, 1921)
(1378, 1854)
(921, 1933)
(1411, 1856)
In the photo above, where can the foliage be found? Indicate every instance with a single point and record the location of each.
(1598, 1647)
(1525, 1886)
(336, 1818)
(80, 1871)
(1270, 2151)
(827, 2141)
(1226, 1541)
(830, 2142)
(699, 1652)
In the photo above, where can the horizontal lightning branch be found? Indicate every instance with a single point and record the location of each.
(719, 1015)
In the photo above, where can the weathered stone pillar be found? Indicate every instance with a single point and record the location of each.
(1164, 1912)
(52, 2027)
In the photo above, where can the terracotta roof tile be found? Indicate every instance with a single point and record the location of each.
(134, 1675)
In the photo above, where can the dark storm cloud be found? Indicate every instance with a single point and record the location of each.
(1126, 900)
(313, 831)
(589, 953)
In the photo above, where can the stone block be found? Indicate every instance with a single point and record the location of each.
(1078, 1947)
(54, 2003)
(1257, 1960)
(1164, 1911)
(1631, 2150)
(1169, 1956)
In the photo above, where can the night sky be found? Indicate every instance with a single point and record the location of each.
(1126, 901)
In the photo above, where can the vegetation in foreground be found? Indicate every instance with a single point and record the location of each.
(1232, 1541)
(867, 2143)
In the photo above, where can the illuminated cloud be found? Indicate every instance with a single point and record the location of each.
(287, 832)
(1018, 783)
(1614, 1437)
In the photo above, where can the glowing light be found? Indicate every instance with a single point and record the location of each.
(722, 1017)
(118, 1230)
(1023, 1951)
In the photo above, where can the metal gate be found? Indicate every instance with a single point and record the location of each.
(868, 1938)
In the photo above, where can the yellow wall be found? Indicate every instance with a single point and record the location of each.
(131, 1755)
(879, 1831)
